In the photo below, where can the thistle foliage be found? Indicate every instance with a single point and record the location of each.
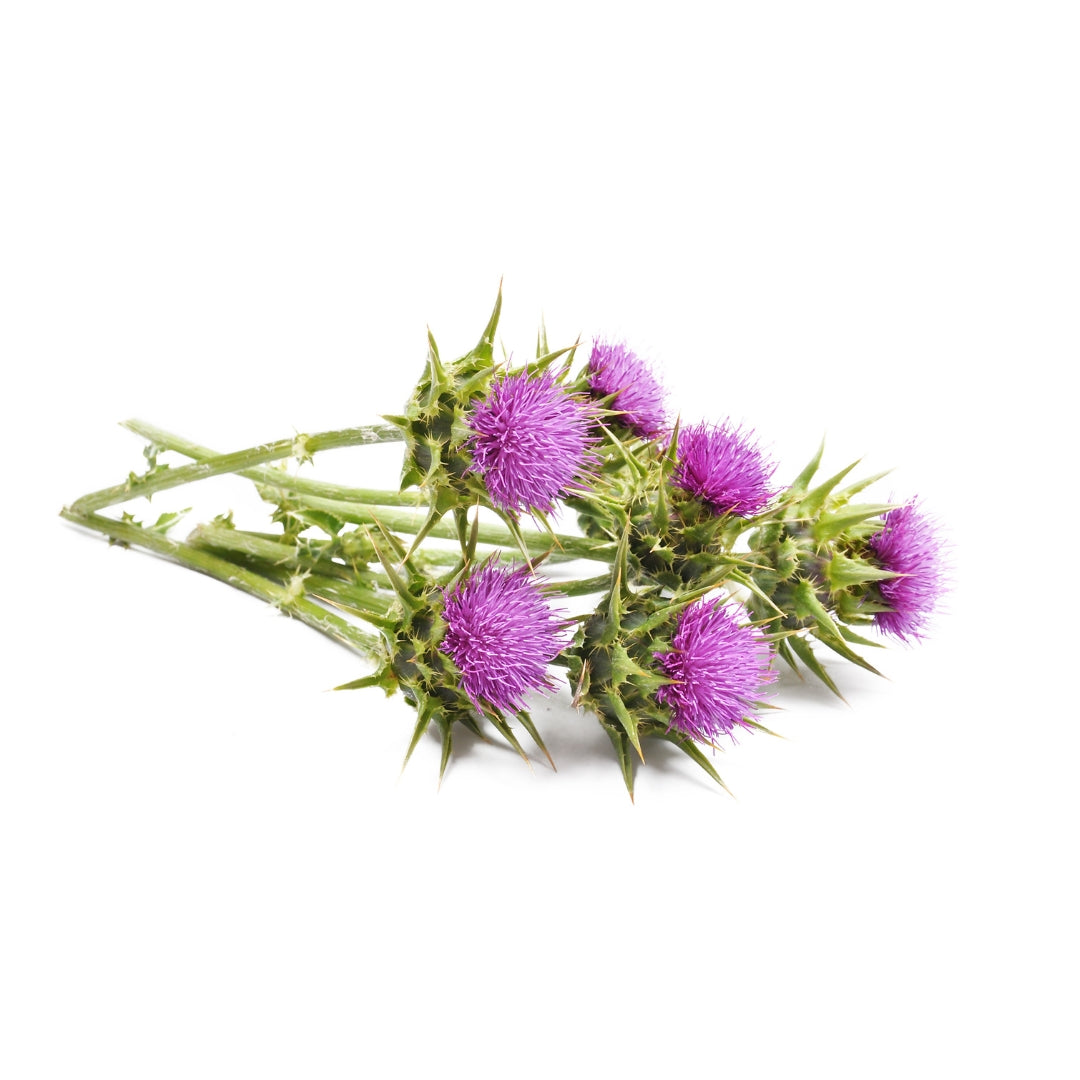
(681, 520)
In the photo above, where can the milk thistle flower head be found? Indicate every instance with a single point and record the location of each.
(638, 395)
(720, 665)
(910, 547)
(530, 442)
(501, 634)
(724, 467)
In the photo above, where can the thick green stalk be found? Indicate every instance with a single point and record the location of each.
(328, 580)
(306, 554)
(274, 555)
(583, 587)
(338, 500)
(373, 606)
(284, 597)
(166, 440)
(278, 552)
(404, 521)
(277, 558)
(160, 479)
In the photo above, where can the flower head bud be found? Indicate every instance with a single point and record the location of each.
(530, 442)
(501, 635)
(909, 547)
(823, 564)
(683, 669)
(431, 421)
(719, 665)
(725, 468)
(467, 651)
(511, 442)
(678, 535)
(637, 395)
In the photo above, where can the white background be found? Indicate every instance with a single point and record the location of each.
(236, 221)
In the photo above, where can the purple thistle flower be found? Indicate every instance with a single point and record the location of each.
(909, 545)
(720, 666)
(639, 396)
(724, 466)
(501, 634)
(530, 442)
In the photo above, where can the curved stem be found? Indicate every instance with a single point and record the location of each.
(335, 581)
(403, 521)
(348, 504)
(283, 597)
(276, 478)
(583, 587)
(160, 479)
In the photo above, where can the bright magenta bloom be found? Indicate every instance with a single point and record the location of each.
(909, 545)
(721, 666)
(639, 396)
(502, 634)
(530, 442)
(724, 466)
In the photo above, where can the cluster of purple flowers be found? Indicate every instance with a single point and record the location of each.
(502, 634)
(686, 519)
(533, 441)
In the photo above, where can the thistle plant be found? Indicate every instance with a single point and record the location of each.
(684, 667)
(512, 441)
(467, 651)
(704, 572)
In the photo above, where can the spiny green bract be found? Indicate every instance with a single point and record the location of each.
(680, 542)
(415, 663)
(613, 670)
(433, 420)
(810, 568)
(438, 431)
(674, 539)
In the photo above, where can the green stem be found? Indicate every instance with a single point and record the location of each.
(330, 497)
(538, 543)
(277, 558)
(301, 446)
(278, 552)
(278, 546)
(276, 478)
(364, 603)
(281, 597)
(583, 587)
(328, 580)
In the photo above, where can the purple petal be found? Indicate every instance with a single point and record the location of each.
(909, 545)
(723, 466)
(530, 442)
(501, 634)
(639, 396)
(720, 665)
